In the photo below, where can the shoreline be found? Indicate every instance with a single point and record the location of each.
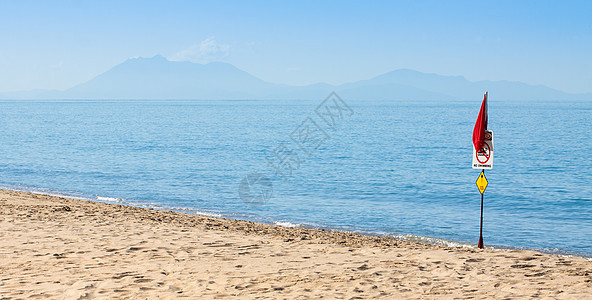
(190, 211)
(404, 237)
(54, 246)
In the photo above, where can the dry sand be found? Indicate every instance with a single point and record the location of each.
(53, 247)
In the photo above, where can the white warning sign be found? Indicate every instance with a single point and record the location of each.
(483, 159)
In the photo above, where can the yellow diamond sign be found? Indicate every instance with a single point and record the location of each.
(482, 182)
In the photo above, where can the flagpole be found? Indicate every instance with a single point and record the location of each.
(479, 147)
(480, 245)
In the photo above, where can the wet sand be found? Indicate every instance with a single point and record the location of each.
(53, 247)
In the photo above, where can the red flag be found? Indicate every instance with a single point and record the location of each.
(480, 126)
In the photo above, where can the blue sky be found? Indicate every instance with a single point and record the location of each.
(58, 44)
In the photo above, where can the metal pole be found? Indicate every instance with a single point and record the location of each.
(480, 245)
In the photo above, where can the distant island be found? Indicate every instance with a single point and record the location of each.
(159, 78)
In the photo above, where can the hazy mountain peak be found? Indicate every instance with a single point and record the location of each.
(156, 57)
(158, 78)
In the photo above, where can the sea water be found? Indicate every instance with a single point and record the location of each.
(389, 168)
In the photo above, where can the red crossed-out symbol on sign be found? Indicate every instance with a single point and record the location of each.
(486, 153)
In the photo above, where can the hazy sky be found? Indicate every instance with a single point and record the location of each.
(58, 44)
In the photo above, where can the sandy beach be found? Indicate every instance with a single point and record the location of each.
(54, 247)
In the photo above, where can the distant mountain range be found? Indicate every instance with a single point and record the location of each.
(158, 78)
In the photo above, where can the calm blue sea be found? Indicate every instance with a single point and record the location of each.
(393, 168)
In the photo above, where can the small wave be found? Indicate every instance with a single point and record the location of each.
(433, 241)
(109, 199)
(193, 211)
(156, 206)
(185, 210)
(206, 214)
(287, 224)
